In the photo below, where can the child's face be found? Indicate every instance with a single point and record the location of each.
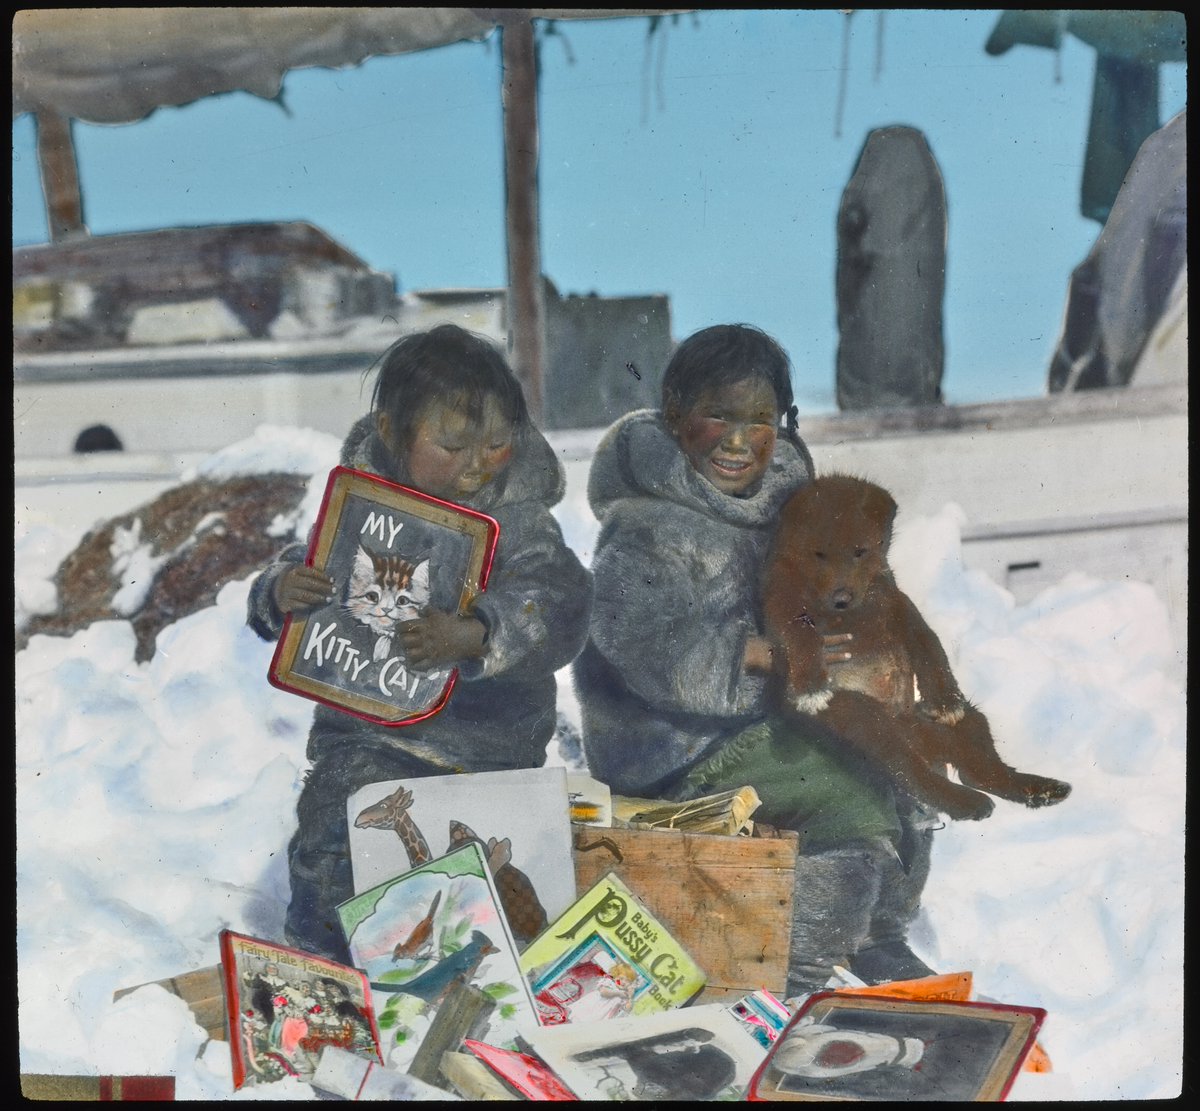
(728, 434)
(451, 455)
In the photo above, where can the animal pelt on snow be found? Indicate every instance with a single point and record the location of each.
(827, 573)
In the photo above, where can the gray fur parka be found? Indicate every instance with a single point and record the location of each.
(502, 712)
(660, 681)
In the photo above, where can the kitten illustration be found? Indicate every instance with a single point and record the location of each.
(383, 591)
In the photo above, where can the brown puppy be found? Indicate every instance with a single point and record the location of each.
(828, 574)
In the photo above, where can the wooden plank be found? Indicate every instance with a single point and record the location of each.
(727, 900)
(201, 990)
(472, 1079)
(464, 1007)
(524, 304)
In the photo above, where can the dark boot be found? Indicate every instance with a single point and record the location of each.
(885, 954)
(836, 891)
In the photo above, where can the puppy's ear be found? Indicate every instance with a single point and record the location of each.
(880, 508)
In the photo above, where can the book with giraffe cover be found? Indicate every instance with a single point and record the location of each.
(521, 819)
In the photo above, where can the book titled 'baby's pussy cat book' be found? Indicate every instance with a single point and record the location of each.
(393, 554)
(605, 957)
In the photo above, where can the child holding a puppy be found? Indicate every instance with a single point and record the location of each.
(447, 418)
(673, 681)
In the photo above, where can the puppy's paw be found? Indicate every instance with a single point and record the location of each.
(1040, 790)
(967, 805)
(950, 712)
(813, 702)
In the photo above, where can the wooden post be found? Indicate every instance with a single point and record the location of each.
(60, 175)
(464, 1008)
(525, 309)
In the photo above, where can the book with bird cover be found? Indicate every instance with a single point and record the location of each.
(284, 1006)
(437, 951)
(606, 957)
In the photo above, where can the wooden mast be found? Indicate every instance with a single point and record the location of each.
(524, 305)
(60, 175)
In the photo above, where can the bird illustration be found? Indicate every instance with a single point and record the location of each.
(420, 939)
(433, 983)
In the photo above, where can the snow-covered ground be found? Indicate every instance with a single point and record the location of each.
(155, 802)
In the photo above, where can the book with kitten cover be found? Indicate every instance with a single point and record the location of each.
(284, 1006)
(606, 957)
(392, 553)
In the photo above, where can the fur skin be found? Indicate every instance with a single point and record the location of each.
(827, 572)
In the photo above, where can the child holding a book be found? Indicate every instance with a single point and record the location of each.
(672, 681)
(447, 418)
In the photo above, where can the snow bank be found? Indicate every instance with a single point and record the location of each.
(155, 802)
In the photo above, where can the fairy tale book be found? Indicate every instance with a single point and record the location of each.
(392, 554)
(605, 957)
(284, 1006)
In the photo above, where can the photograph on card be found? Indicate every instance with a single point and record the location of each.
(842, 1046)
(690, 1053)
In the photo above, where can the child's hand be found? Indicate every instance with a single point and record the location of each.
(301, 589)
(441, 638)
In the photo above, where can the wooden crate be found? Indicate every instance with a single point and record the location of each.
(727, 900)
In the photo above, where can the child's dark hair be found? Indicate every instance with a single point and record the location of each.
(724, 354)
(445, 362)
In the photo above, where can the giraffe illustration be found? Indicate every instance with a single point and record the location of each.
(392, 813)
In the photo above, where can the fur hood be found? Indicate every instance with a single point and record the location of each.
(639, 457)
(536, 610)
(534, 475)
(661, 680)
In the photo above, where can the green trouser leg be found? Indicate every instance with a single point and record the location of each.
(848, 825)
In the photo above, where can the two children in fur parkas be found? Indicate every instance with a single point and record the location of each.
(672, 681)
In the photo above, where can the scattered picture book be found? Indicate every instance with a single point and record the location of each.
(348, 1076)
(392, 554)
(427, 935)
(284, 1006)
(762, 1015)
(520, 819)
(524, 1073)
(607, 957)
(685, 1053)
(590, 800)
(726, 812)
(841, 1046)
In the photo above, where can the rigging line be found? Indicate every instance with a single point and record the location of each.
(841, 99)
(879, 44)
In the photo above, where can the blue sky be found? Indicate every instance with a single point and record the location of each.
(702, 164)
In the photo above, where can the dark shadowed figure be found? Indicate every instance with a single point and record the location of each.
(891, 274)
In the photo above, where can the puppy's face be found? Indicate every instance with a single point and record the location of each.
(835, 532)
